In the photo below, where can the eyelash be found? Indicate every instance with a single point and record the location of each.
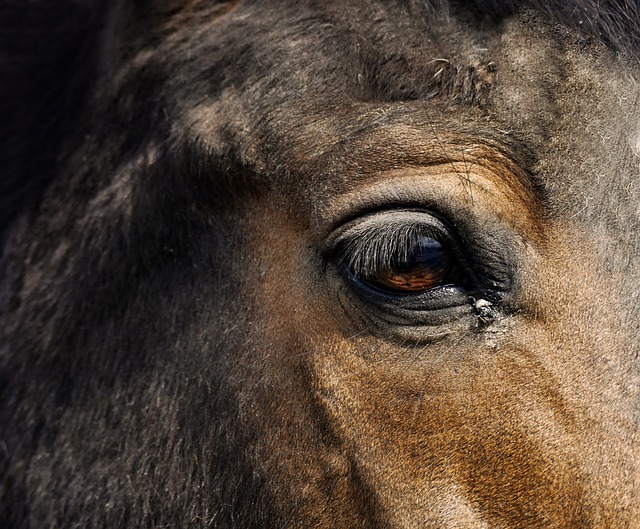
(377, 249)
(375, 243)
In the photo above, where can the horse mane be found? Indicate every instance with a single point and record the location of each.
(48, 57)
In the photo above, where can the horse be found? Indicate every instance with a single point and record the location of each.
(366, 264)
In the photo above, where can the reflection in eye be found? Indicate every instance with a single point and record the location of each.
(425, 265)
(402, 253)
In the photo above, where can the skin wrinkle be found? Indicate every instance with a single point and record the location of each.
(419, 185)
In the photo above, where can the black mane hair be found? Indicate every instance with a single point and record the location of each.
(48, 59)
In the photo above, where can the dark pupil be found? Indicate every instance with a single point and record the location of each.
(424, 266)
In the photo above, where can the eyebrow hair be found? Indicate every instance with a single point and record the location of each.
(616, 23)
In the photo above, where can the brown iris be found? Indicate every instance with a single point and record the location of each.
(426, 265)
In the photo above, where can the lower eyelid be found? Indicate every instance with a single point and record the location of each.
(425, 308)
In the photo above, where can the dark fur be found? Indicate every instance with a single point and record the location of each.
(125, 396)
(613, 22)
(46, 70)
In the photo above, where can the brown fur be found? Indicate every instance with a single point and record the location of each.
(180, 343)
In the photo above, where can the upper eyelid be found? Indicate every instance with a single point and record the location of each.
(480, 197)
(392, 215)
(367, 245)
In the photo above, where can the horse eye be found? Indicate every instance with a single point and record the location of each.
(402, 253)
(426, 264)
